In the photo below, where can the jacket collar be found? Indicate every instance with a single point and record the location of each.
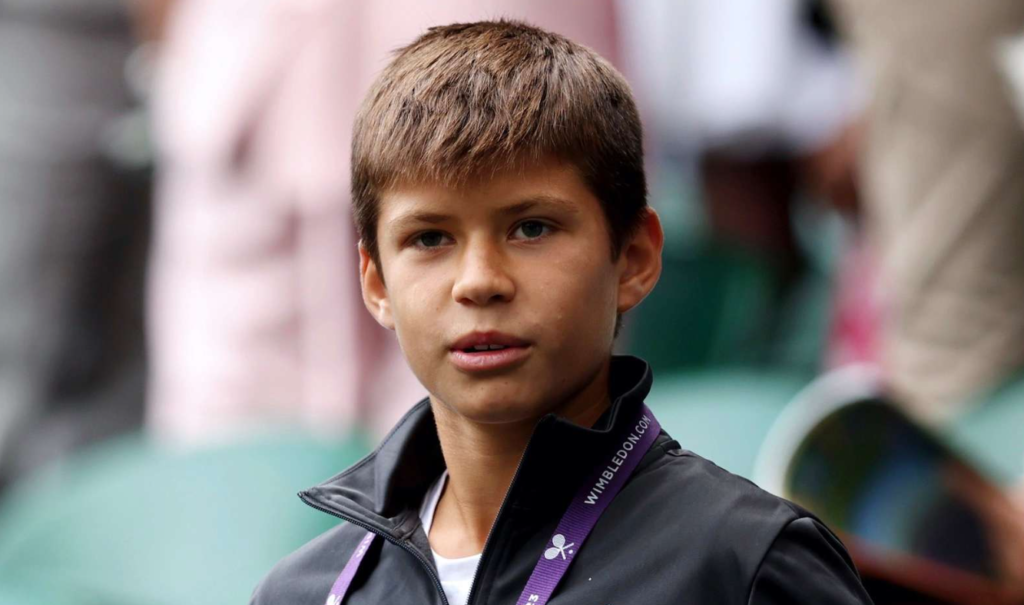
(384, 490)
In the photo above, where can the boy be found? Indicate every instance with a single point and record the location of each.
(500, 195)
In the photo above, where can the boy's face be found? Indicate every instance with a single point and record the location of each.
(518, 264)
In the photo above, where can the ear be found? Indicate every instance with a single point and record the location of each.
(640, 262)
(375, 293)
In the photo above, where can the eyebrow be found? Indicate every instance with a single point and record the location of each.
(416, 218)
(520, 207)
(539, 201)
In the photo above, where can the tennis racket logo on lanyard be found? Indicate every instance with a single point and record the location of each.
(558, 547)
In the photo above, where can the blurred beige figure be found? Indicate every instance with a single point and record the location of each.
(1011, 57)
(254, 304)
(943, 194)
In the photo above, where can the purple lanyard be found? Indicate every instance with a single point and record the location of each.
(585, 509)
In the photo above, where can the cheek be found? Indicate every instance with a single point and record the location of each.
(413, 304)
(581, 295)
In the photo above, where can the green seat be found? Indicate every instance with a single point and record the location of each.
(42, 590)
(718, 306)
(707, 302)
(129, 523)
(723, 415)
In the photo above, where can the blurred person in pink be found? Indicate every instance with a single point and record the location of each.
(254, 301)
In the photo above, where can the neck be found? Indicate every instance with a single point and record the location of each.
(482, 460)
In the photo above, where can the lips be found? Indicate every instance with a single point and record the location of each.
(486, 341)
(487, 351)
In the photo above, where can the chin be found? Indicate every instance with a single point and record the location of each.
(497, 409)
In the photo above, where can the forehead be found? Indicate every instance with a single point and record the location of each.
(551, 186)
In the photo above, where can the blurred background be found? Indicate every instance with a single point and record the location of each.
(183, 345)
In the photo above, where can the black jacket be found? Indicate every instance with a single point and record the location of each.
(681, 531)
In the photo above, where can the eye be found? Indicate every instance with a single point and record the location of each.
(430, 239)
(531, 230)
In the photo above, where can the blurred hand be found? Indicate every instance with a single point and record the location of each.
(151, 17)
(832, 171)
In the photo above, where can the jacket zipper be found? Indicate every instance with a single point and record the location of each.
(419, 556)
(473, 586)
(490, 532)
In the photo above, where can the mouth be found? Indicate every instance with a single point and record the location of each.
(488, 351)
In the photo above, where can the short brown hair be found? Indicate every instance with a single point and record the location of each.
(468, 98)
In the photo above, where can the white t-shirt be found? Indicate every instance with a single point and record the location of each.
(456, 574)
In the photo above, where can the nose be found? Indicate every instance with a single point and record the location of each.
(483, 276)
